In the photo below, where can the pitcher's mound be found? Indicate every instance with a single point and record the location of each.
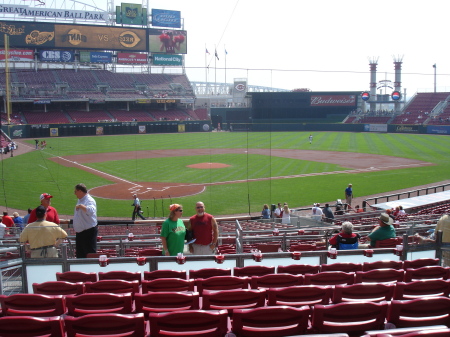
(208, 165)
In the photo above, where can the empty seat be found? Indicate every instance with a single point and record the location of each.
(94, 303)
(299, 269)
(156, 274)
(428, 272)
(382, 265)
(189, 323)
(347, 267)
(167, 284)
(275, 281)
(297, 296)
(253, 271)
(209, 272)
(121, 275)
(166, 301)
(58, 288)
(28, 326)
(379, 276)
(330, 278)
(112, 286)
(363, 292)
(32, 305)
(222, 283)
(421, 288)
(420, 263)
(233, 299)
(76, 276)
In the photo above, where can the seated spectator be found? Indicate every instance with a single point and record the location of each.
(7, 220)
(339, 208)
(18, 221)
(2, 228)
(317, 212)
(328, 215)
(390, 214)
(346, 239)
(358, 209)
(383, 231)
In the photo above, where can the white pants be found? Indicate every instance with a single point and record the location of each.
(202, 249)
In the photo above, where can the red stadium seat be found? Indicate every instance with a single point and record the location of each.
(167, 284)
(209, 272)
(28, 326)
(297, 296)
(275, 281)
(421, 289)
(94, 303)
(76, 276)
(32, 305)
(166, 301)
(58, 288)
(363, 292)
(253, 271)
(299, 269)
(120, 275)
(330, 278)
(222, 283)
(156, 274)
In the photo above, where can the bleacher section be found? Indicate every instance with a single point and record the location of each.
(89, 116)
(129, 116)
(39, 117)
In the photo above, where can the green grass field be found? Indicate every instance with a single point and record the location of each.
(26, 176)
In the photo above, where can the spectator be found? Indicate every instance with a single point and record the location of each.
(317, 212)
(42, 236)
(286, 216)
(7, 220)
(346, 239)
(173, 232)
(328, 215)
(51, 213)
(2, 228)
(27, 216)
(383, 231)
(339, 208)
(358, 209)
(18, 221)
(205, 231)
(265, 214)
(278, 211)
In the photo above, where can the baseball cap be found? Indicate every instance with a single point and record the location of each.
(45, 196)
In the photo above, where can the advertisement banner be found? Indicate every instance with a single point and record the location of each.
(167, 60)
(17, 55)
(142, 129)
(333, 100)
(100, 37)
(28, 34)
(49, 35)
(166, 18)
(54, 132)
(42, 101)
(95, 57)
(167, 41)
(56, 56)
(439, 129)
(131, 14)
(407, 128)
(375, 128)
(131, 58)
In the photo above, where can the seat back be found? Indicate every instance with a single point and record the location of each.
(268, 247)
(76, 276)
(347, 246)
(330, 278)
(222, 283)
(420, 263)
(199, 323)
(380, 276)
(156, 274)
(270, 321)
(166, 301)
(421, 288)
(299, 269)
(382, 265)
(209, 272)
(121, 275)
(420, 311)
(428, 272)
(388, 243)
(346, 267)
(275, 281)
(297, 296)
(36, 305)
(105, 325)
(167, 284)
(366, 292)
(233, 299)
(112, 286)
(29, 326)
(94, 303)
(253, 271)
(58, 288)
(348, 317)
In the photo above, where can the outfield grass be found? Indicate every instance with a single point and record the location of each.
(26, 176)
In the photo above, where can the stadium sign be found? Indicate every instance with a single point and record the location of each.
(42, 101)
(50, 13)
(167, 60)
(17, 55)
(333, 100)
(56, 55)
(131, 14)
(50, 35)
(166, 18)
(131, 58)
(167, 41)
(95, 57)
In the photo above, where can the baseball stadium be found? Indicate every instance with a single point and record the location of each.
(103, 98)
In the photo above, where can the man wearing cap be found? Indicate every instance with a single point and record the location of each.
(205, 230)
(42, 236)
(385, 230)
(137, 208)
(51, 214)
(85, 222)
(348, 196)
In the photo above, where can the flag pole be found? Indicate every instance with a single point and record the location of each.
(225, 64)
(215, 69)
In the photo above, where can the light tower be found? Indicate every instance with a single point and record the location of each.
(398, 60)
(373, 62)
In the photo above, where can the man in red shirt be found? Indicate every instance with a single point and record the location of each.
(205, 230)
(7, 220)
(51, 213)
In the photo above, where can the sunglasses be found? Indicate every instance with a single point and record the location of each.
(179, 210)
(199, 206)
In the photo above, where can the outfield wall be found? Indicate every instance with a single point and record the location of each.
(118, 128)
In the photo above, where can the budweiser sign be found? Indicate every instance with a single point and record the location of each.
(333, 100)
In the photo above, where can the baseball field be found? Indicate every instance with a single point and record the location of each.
(232, 172)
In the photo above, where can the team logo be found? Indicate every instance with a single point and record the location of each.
(74, 37)
(396, 95)
(37, 38)
(66, 56)
(129, 39)
(365, 96)
(131, 13)
(240, 87)
(11, 29)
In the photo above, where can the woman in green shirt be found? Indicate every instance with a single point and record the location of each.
(173, 232)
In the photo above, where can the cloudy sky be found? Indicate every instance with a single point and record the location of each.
(320, 44)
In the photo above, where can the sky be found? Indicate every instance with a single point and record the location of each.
(322, 45)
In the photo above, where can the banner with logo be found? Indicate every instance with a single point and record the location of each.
(167, 60)
(131, 14)
(166, 18)
(142, 129)
(167, 41)
(95, 57)
(375, 127)
(132, 58)
(333, 100)
(56, 55)
(19, 55)
(439, 129)
(50, 35)
(54, 132)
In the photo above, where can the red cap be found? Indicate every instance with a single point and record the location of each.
(46, 196)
